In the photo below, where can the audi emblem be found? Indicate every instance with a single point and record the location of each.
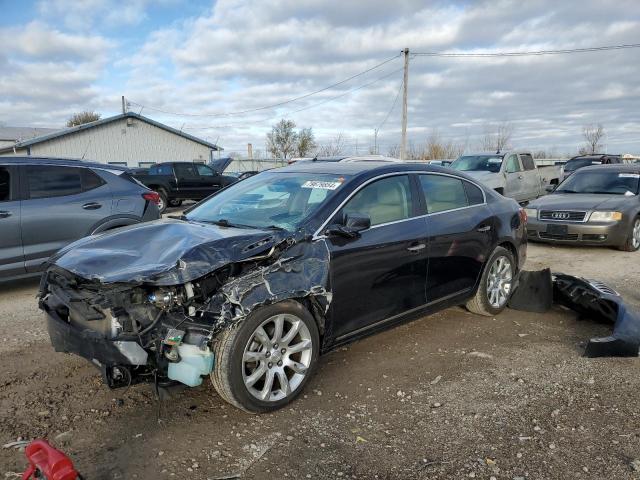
(560, 215)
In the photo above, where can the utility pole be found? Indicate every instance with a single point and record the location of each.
(375, 141)
(405, 87)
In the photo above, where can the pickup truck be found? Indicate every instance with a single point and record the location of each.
(512, 174)
(178, 181)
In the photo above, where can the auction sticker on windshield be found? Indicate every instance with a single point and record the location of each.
(320, 184)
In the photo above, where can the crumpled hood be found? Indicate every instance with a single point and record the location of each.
(580, 201)
(164, 252)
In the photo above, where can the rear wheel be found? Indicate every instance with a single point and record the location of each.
(163, 200)
(175, 203)
(633, 239)
(495, 284)
(263, 364)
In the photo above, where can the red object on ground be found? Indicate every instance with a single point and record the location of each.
(48, 462)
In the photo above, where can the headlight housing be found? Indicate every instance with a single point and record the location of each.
(605, 216)
(531, 212)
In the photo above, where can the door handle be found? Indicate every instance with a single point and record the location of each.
(416, 248)
(5, 214)
(484, 228)
(92, 206)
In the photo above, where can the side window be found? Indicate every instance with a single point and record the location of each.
(474, 194)
(204, 171)
(165, 170)
(90, 179)
(185, 170)
(154, 170)
(443, 193)
(46, 181)
(513, 165)
(527, 162)
(384, 201)
(5, 184)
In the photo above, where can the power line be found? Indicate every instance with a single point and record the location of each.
(267, 107)
(393, 105)
(527, 53)
(308, 107)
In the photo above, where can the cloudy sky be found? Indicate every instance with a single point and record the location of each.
(208, 60)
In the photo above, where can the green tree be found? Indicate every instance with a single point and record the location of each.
(284, 142)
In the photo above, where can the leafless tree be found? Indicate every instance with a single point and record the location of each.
(394, 151)
(496, 137)
(82, 118)
(593, 135)
(335, 146)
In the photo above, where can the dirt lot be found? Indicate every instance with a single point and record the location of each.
(452, 395)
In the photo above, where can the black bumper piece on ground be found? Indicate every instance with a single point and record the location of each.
(537, 291)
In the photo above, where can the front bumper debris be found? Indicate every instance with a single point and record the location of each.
(537, 291)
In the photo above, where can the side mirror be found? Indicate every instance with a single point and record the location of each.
(352, 225)
(550, 188)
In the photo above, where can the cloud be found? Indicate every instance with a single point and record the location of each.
(242, 54)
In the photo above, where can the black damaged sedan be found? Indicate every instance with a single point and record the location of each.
(253, 284)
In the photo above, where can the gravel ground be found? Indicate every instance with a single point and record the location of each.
(452, 395)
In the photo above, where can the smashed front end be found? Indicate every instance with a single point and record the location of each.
(161, 326)
(131, 333)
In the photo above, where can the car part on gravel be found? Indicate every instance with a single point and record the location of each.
(590, 299)
(48, 463)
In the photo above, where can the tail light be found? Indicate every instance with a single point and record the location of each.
(523, 216)
(152, 197)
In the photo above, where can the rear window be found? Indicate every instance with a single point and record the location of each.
(527, 162)
(45, 181)
(90, 180)
(474, 194)
(443, 193)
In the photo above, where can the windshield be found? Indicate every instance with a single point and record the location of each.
(269, 200)
(613, 183)
(479, 163)
(572, 165)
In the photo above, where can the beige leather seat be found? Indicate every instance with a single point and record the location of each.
(383, 202)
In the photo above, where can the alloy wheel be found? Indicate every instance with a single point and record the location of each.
(635, 235)
(499, 282)
(277, 357)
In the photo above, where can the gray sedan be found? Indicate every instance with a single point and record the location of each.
(597, 205)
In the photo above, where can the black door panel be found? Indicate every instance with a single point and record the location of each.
(459, 243)
(379, 275)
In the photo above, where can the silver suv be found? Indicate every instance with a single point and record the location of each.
(47, 203)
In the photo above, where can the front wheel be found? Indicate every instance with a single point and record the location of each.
(633, 239)
(495, 284)
(163, 200)
(263, 363)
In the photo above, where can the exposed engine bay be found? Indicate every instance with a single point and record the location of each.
(150, 330)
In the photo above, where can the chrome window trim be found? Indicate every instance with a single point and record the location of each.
(317, 235)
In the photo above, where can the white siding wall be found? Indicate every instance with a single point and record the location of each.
(117, 142)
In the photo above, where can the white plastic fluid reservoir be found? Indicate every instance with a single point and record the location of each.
(194, 362)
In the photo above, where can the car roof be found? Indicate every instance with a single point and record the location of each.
(355, 168)
(63, 162)
(597, 156)
(613, 167)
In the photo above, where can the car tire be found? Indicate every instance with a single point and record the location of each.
(496, 284)
(632, 242)
(251, 359)
(175, 203)
(164, 200)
